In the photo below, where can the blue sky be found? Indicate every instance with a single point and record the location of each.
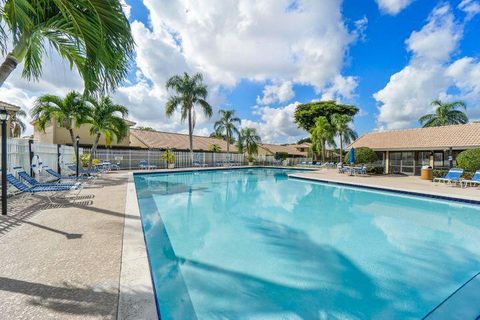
(388, 57)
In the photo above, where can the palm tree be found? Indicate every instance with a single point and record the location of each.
(17, 126)
(322, 133)
(445, 114)
(346, 134)
(226, 125)
(68, 112)
(107, 119)
(93, 36)
(250, 140)
(189, 91)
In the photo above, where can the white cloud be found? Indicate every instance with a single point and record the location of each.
(470, 7)
(127, 9)
(276, 124)
(277, 93)
(393, 7)
(341, 87)
(430, 74)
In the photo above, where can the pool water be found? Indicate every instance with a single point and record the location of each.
(255, 244)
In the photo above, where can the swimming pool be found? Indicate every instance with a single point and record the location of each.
(254, 244)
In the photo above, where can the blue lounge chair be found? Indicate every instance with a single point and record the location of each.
(197, 162)
(453, 176)
(61, 178)
(143, 164)
(472, 182)
(50, 190)
(34, 182)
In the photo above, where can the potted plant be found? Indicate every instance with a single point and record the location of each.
(250, 160)
(169, 158)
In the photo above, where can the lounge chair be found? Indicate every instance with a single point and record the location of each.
(359, 170)
(453, 176)
(52, 190)
(472, 182)
(83, 172)
(34, 182)
(61, 178)
(197, 162)
(143, 164)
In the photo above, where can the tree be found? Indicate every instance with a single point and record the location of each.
(322, 133)
(17, 126)
(306, 114)
(445, 114)
(214, 148)
(226, 125)
(93, 36)
(68, 112)
(189, 91)
(106, 119)
(222, 137)
(305, 140)
(250, 140)
(469, 160)
(345, 133)
(362, 155)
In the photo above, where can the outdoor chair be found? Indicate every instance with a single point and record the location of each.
(452, 177)
(83, 172)
(61, 178)
(51, 191)
(143, 164)
(359, 170)
(34, 182)
(197, 162)
(475, 180)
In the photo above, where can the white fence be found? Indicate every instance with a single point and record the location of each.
(55, 156)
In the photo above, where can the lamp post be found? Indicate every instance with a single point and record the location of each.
(3, 119)
(76, 152)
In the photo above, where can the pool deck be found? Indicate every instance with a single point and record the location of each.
(409, 184)
(62, 261)
(77, 260)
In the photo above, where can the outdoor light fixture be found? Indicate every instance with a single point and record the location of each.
(3, 119)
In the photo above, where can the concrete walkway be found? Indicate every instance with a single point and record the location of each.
(395, 182)
(62, 261)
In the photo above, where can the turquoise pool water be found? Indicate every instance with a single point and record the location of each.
(254, 244)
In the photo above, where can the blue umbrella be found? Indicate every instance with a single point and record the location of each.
(352, 155)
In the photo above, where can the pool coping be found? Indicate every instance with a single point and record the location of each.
(424, 194)
(136, 293)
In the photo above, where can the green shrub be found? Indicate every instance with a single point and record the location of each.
(168, 156)
(362, 155)
(441, 173)
(281, 156)
(375, 170)
(469, 160)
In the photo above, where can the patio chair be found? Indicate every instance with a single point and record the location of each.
(475, 180)
(359, 170)
(197, 162)
(143, 164)
(51, 191)
(83, 172)
(34, 182)
(61, 178)
(452, 176)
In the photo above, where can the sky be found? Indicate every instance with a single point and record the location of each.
(262, 58)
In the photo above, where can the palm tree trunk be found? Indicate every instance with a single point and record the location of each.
(190, 133)
(74, 141)
(7, 68)
(93, 150)
(228, 149)
(341, 147)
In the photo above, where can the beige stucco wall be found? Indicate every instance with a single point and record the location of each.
(57, 135)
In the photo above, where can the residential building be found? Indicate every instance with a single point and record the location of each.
(293, 150)
(406, 151)
(11, 110)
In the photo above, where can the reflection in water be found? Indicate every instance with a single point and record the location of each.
(244, 244)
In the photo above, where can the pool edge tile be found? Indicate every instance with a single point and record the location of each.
(136, 296)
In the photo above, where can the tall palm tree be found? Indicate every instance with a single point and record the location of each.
(68, 112)
(445, 114)
(226, 125)
(17, 126)
(322, 133)
(346, 134)
(107, 119)
(250, 140)
(94, 36)
(188, 92)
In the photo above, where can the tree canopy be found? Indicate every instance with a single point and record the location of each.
(306, 114)
(445, 114)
